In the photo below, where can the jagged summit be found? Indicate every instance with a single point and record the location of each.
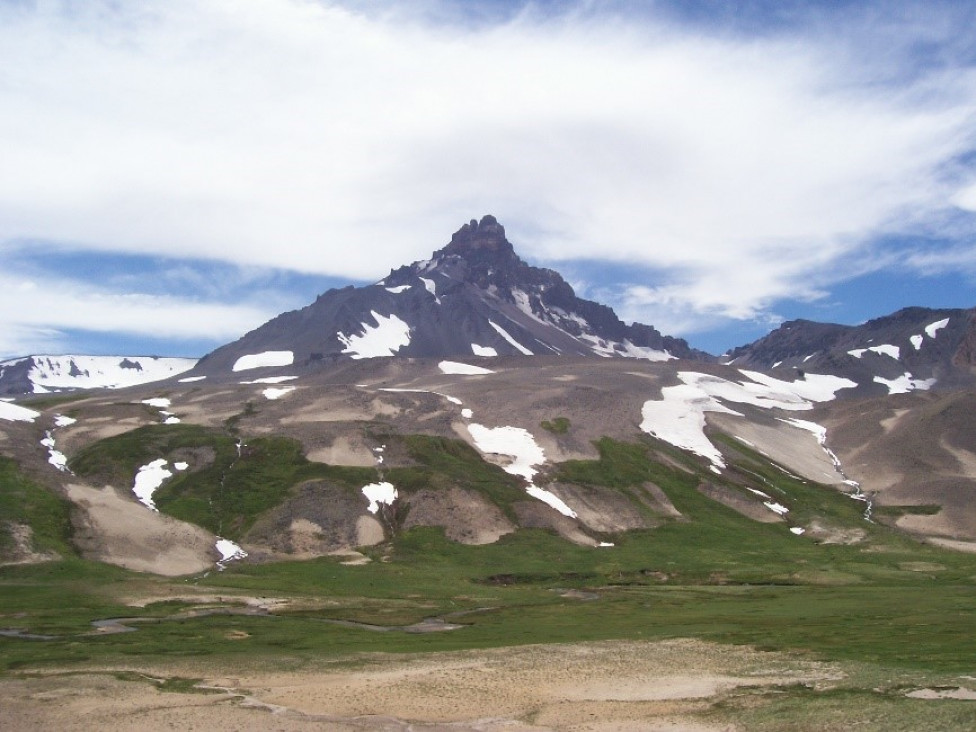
(485, 236)
(473, 297)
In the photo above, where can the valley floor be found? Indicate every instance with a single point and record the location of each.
(679, 685)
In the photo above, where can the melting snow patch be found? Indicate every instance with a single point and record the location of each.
(265, 359)
(190, 379)
(228, 551)
(378, 493)
(463, 369)
(935, 327)
(679, 416)
(148, 479)
(467, 413)
(605, 543)
(905, 383)
(276, 392)
(158, 402)
(504, 334)
(388, 336)
(520, 445)
(429, 284)
(16, 413)
(55, 457)
(271, 380)
(62, 421)
(777, 508)
(398, 289)
(883, 350)
(798, 530)
(483, 350)
(917, 341)
(181, 466)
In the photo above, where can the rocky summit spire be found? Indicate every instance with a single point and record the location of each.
(485, 237)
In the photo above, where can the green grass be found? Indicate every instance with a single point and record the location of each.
(714, 575)
(558, 426)
(26, 503)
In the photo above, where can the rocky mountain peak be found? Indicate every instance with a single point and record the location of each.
(480, 238)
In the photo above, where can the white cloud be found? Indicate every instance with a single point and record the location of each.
(303, 135)
(36, 312)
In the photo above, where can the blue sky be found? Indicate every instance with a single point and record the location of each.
(174, 174)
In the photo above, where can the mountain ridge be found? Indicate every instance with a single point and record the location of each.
(473, 297)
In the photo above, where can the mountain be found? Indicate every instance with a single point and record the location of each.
(474, 297)
(43, 374)
(912, 349)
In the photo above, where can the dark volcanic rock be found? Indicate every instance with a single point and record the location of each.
(474, 297)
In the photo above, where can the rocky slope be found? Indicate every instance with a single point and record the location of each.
(474, 297)
(912, 349)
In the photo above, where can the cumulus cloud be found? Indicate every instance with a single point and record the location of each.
(322, 138)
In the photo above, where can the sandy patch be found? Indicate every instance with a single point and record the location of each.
(369, 531)
(125, 533)
(616, 685)
(959, 692)
(960, 546)
(796, 449)
(344, 451)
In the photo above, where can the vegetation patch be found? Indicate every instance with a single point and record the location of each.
(558, 426)
(31, 513)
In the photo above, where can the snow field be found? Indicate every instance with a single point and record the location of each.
(679, 416)
(93, 372)
(388, 336)
(16, 413)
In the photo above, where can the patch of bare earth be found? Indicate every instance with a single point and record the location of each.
(618, 685)
(120, 531)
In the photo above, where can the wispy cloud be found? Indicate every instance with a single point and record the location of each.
(345, 139)
(38, 312)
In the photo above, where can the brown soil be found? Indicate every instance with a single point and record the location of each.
(673, 685)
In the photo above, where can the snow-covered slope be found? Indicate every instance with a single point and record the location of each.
(474, 297)
(910, 350)
(41, 374)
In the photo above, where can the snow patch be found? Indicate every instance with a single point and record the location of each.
(917, 341)
(271, 380)
(799, 531)
(398, 289)
(504, 334)
(429, 284)
(679, 416)
(378, 493)
(463, 369)
(228, 551)
(388, 336)
(148, 479)
(96, 372)
(190, 379)
(16, 413)
(264, 359)
(884, 350)
(61, 420)
(518, 444)
(276, 392)
(905, 383)
(467, 413)
(157, 402)
(55, 457)
(935, 327)
(483, 350)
